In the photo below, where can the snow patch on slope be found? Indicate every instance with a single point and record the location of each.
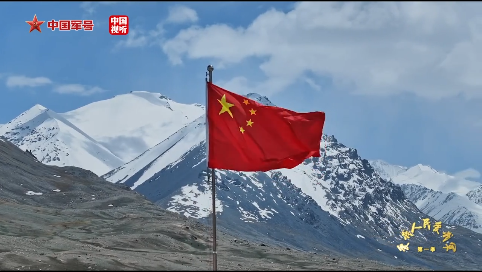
(264, 213)
(194, 202)
(305, 178)
(31, 193)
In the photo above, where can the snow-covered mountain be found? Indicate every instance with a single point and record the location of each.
(386, 170)
(56, 141)
(102, 135)
(260, 99)
(475, 195)
(425, 176)
(337, 201)
(449, 208)
(131, 123)
(442, 196)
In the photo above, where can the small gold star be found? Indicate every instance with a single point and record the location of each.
(249, 123)
(241, 129)
(246, 102)
(252, 111)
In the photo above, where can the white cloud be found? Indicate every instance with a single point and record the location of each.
(78, 89)
(238, 85)
(181, 14)
(457, 185)
(431, 49)
(90, 7)
(468, 174)
(312, 83)
(141, 38)
(134, 39)
(23, 81)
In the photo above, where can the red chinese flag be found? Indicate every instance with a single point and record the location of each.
(245, 135)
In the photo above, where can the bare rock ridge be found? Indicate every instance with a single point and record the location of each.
(67, 218)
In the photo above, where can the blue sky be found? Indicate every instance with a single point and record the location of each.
(398, 81)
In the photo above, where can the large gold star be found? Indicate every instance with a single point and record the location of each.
(253, 112)
(249, 123)
(241, 129)
(246, 102)
(226, 106)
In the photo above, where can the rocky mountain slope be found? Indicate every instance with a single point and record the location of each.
(475, 195)
(66, 218)
(337, 201)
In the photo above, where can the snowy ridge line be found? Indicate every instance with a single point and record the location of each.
(62, 119)
(142, 164)
(129, 124)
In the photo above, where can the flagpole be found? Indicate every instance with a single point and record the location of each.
(213, 174)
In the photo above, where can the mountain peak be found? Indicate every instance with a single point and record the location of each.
(475, 195)
(35, 110)
(260, 99)
(150, 95)
(39, 107)
(24, 117)
(136, 121)
(329, 138)
(379, 162)
(54, 140)
(386, 170)
(425, 168)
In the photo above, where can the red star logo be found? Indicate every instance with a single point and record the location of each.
(35, 24)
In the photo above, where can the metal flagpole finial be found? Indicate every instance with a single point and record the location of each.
(210, 73)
